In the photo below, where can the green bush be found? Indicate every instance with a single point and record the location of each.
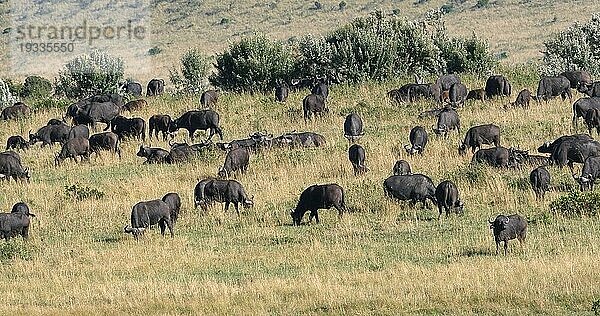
(482, 3)
(36, 87)
(14, 250)
(191, 76)
(596, 307)
(87, 75)
(50, 103)
(6, 97)
(81, 193)
(576, 203)
(252, 64)
(577, 47)
(154, 51)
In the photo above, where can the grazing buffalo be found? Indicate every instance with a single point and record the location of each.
(129, 127)
(591, 89)
(16, 222)
(495, 157)
(16, 142)
(132, 87)
(313, 104)
(497, 85)
(418, 141)
(509, 227)
(447, 120)
(153, 155)
(209, 191)
(567, 150)
(255, 142)
(17, 110)
(589, 174)
(550, 87)
(182, 152)
(147, 213)
(135, 105)
(281, 92)
(319, 196)
(401, 94)
(159, 123)
(458, 94)
(105, 141)
(592, 120)
(90, 112)
(236, 159)
(174, 201)
(419, 92)
(321, 89)
(401, 167)
(446, 195)
(54, 121)
(209, 98)
(539, 178)
(582, 106)
(79, 131)
(198, 120)
(549, 147)
(476, 136)
(446, 81)
(577, 78)
(413, 187)
(155, 87)
(353, 127)
(72, 148)
(477, 94)
(357, 155)
(522, 99)
(302, 139)
(11, 167)
(50, 134)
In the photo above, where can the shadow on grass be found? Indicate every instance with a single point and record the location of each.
(477, 252)
(108, 239)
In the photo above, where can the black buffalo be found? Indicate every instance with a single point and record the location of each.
(418, 141)
(129, 127)
(319, 196)
(50, 134)
(567, 150)
(16, 222)
(509, 227)
(582, 106)
(198, 120)
(353, 127)
(105, 141)
(419, 92)
(523, 99)
(153, 155)
(17, 110)
(476, 136)
(313, 104)
(159, 123)
(458, 94)
(236, 159)
(302, 139)
(229, 192)
(72, 149)
(183, 152)
(11, 167)
(281, 92)
(357, 155)
(577, 78)
(209, 98)
(550, 87)
(413, 187)
(90, 112)
(591, 89)
(539, 178)
(135, 105)
(448, 199)
(589, 173)
(174, 201)
(321, 89)
(132, 87)
(79, 131)
(497, 85)
(16, 142)
(592, 120)
(447, 120)
(401, 167)
(155, 87)
(147, 213)
(254, 142)
(446, 81)
(495, 157)
(476, 94)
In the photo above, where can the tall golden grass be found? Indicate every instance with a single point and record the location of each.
(383, 257)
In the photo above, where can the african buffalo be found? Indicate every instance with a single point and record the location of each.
(255, 142)
(209, 191)
(476, 136)
(198, 120)
(447, 198)
(418, 140)
(321, 89)
(353, 127)
(132, 87)
(209, 98)
(135, 105)
(313, 104)
(591, 89)
(497, 85)
(182, 152)
(413, 187)
(589, 173)
(155, 87)
(50, 134)
(281, 92)
(401, 167)
(577, 78)
(302, 139)
(105, 141)
(447, 120)
(509, 227)
(174, 201)
(458, 94)
(495, 157)
(539, 178)
(357, 155)
(592, 120)
(477, 94)
(72, 148)
(236, 159)
(581, 106)
(319, 196)
(17, 110)
(16, 142)
(153, 155)
(522, 99)
(550, 87)
(79, 131)
(147, 213)
(129, 127)
(11, 167)
(16, 222)
(159, 123)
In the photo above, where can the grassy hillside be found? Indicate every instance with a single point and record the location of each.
(515, 29)
(383, 257)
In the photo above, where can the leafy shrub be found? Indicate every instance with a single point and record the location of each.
(51, 103)
(6, 97)
(192, 73)
(482, 3)
(577, 47)
(252, 64)
(13, 250)
(81, 193)
(464, 54)
(576, 203)
(342, 5)
(596, 307)
(14, 87)
(154, 51)
(91, 74)
(36, 87)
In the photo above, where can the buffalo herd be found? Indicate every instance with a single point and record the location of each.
(448, 92)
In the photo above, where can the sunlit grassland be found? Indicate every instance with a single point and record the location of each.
(384, 257)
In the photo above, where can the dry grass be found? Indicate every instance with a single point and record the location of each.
(377, 260)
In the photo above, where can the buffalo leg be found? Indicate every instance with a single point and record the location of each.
(505, 246)
(227, 206)
(237, 209)
(163, 226)
(440, 211)
(191, 133)
(171, 228)
(497, 246)
(340, 209)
